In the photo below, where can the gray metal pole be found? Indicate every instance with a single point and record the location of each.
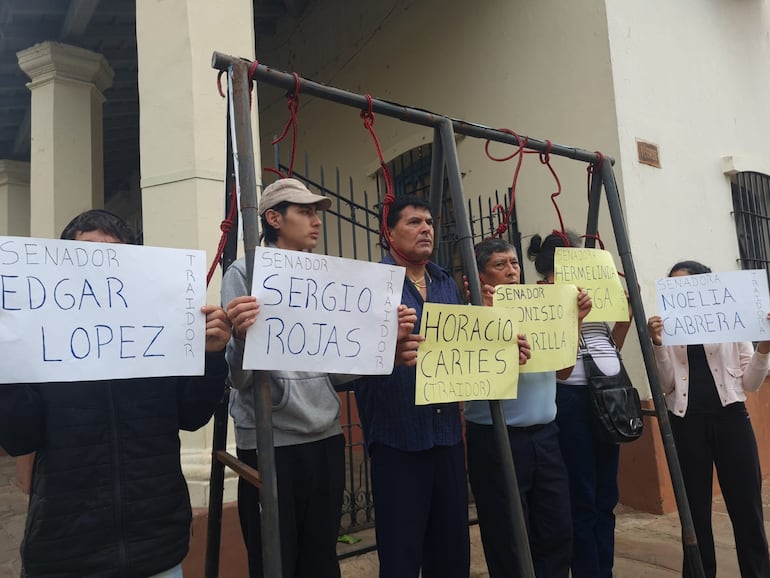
(691, 552)
(436, 178)
(594, 200)
(244, 153)
(414, 115)
(219, 440)
(515, 510)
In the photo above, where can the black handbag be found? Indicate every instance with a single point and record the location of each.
(615, 403)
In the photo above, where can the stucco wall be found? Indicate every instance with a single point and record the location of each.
(692, 77)
(540, 68)
(598, 75)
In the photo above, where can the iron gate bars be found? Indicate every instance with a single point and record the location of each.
(242, 72)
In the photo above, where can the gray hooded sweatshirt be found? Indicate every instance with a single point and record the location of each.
(306, 408)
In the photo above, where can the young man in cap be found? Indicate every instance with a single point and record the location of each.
(309, 445)
(108, 497)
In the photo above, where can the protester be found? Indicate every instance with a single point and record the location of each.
(705, 389)
(309, 445)
(417, 452)
(592, 464)
(534, 440)
(108, 497)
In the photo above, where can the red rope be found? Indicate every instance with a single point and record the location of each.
(292, 102)
(545, 158)
(219, 84)
(226, 226)
(252, 70)
(590, 171)
(367, 116)
(520, 152)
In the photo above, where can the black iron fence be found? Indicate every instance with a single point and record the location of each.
(351, 229)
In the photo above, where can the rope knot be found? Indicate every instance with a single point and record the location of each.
(368, 115)
(545, 157)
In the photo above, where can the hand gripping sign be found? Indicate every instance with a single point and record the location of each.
(320, 313)
(77, 311)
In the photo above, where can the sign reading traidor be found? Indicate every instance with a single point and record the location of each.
(714, 307)
(468, 353)
(321, 313)
(80, 311)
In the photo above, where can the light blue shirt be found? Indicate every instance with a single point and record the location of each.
(535, 404)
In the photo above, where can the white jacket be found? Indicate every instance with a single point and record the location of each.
(736, 367)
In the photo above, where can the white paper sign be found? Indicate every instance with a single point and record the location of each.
(80, 311)
(320, 313)
(714, 307)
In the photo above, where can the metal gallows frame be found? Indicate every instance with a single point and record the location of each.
(445, 163)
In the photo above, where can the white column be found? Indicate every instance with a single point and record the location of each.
(182, 144)
(14, 198)
(67, 86)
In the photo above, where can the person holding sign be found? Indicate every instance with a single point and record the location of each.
(534, 438)
(592, 464)
(108, 497)
(417, 452)
(705, 389)
(309, 444)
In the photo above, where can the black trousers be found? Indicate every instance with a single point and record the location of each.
(311, 482)
(725, 440)
(421, 511)
(544, 490)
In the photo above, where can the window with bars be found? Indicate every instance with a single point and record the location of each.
(411, 175)
(751, 209)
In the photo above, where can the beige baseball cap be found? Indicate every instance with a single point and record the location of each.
(293, 191)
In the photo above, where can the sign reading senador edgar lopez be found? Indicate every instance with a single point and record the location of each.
(321, 313)
(77, 311)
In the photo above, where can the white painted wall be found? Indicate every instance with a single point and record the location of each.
(692, 77)
(540, 68)
(687, 75)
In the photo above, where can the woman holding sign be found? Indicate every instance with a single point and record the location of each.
(705, 389)
(592, 464)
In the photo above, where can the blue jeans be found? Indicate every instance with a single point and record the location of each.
(592, 467)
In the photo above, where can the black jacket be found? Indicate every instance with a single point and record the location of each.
(108, 496)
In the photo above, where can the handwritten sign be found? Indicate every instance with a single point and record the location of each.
(714, 307)
(78, 311)
(594, 271)
(548, 315)
(468, 353)
(320, 313)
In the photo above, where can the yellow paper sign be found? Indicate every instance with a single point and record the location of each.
(468, 353)
(594, 271)
(548, 316)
